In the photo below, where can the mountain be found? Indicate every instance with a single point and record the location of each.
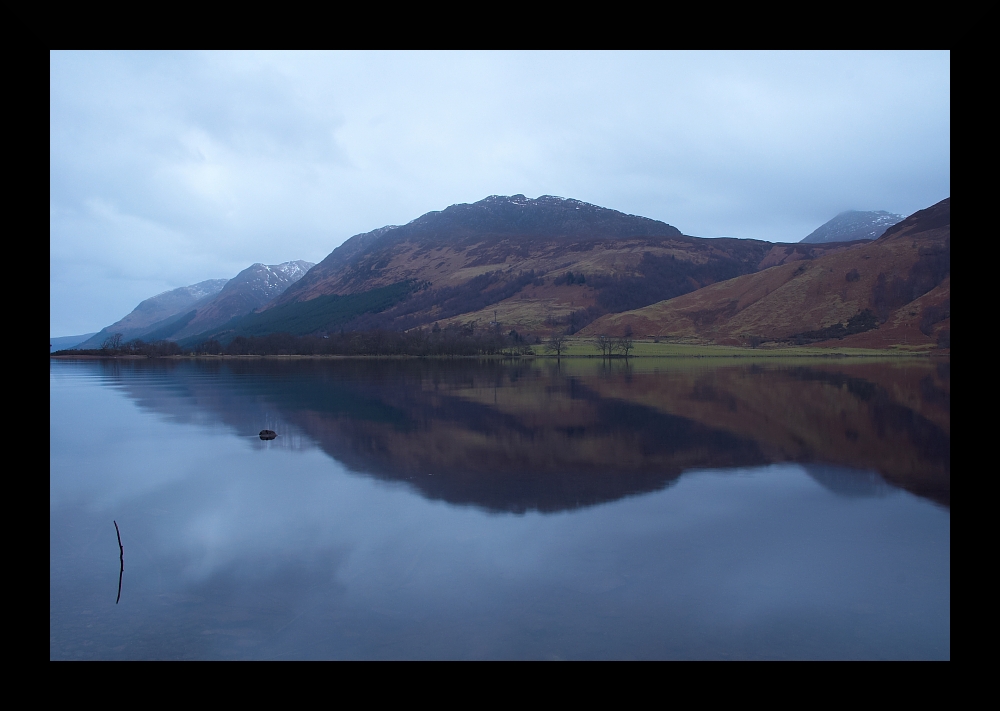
(249, 290)
(533, 265)
(490, 233)
(63, 342)
(895, 290)
(556, 265)
(853, 225)
(206, 305)
(157, 309)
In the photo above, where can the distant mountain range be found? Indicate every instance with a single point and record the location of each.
(555, 265)
(60, 343)
(853, 225)
(154, 311)
(191, 309)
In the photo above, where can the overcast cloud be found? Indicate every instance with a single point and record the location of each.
(168, 169)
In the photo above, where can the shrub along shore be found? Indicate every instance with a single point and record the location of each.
(464, 342)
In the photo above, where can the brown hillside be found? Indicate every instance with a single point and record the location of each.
(510, 256)
(902, 278)
(252, 288)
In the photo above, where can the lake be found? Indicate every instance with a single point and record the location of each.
(465, 509)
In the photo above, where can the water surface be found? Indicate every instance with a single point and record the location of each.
(481, 510)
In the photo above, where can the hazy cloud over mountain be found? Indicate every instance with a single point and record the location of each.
(170, 169)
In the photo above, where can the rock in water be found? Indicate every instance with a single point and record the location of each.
(267, 434)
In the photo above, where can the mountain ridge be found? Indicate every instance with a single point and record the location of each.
(252, 288)
(897, 289)
(205, 305)
(154, 310)
(537, 266)
(496, 218)
(853, 225)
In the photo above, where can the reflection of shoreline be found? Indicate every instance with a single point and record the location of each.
(542, 436)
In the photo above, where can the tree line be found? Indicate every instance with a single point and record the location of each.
(452, 340)
(116, 345)
(609, 346)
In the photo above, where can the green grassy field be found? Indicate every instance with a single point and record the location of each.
(583, 347)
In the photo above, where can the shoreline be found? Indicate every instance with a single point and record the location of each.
(646, 356)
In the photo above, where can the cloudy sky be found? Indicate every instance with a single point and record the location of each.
(169, 169)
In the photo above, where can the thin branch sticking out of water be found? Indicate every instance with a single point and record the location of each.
(121, 560)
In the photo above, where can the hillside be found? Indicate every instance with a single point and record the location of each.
(555, 265)
(853, 225)
(180, 313)
(537, 266)
(249, 290)
(895, 290)
(63, 342)
(156, 310)
(451, 246)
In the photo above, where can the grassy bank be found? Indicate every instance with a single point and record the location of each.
(577, 347)
(583, 349)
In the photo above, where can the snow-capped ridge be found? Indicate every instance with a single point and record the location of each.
(852, 225)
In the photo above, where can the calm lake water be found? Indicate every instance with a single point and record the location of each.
(666, 509)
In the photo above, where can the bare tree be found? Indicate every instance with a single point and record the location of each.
(112, 342)
(625, 345)
(605, 344)
(556, 344)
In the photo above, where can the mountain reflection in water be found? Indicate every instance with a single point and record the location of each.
(548, 436)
